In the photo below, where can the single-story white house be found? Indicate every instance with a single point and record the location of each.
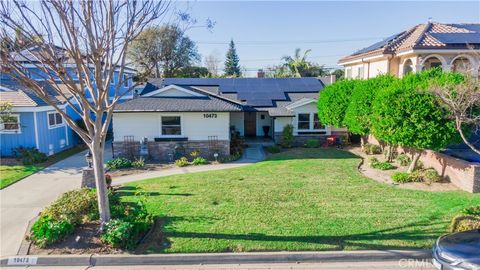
(200, 113)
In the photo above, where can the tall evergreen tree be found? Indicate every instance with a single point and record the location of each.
(232, 68)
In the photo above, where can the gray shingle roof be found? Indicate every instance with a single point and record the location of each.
(255, 92)
(178, 104)
(17, 93)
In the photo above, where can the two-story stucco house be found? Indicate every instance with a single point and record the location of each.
(449, 46)
(197, 113)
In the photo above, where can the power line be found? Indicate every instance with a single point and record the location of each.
(288, 41)
(280, 58)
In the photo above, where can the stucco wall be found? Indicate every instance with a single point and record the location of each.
(195, 126)
(463, 174)
(377, 67)
(267, 121)
(281, 122)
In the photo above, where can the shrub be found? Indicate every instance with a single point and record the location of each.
(382, 165)
(194, 154)
(233, 157)
(236, 144)
(182, 162)
(59, 219)
(472, 211)
(372, 149)
(138, 163)
(199, 161)
(401, 177)
(416, 176)
(287, 136)
(273, 149)
(30, 155)
(117, 233)
(119, 163)
(128, 224)
(464, 223)
(48, 230)
(312, 144)
(403, 159)
(108, 180)
(430, 175)
(373, 160)
(333, 102)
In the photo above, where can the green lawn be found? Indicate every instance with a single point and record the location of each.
(10, 174)
(303, 199)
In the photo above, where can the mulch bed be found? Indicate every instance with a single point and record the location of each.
(147, 168)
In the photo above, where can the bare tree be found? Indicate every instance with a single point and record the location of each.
(463, 102)
(212, 63)
(83, 43)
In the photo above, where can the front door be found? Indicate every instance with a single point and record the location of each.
(250, 124)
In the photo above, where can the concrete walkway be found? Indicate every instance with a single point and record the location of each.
(22, 201)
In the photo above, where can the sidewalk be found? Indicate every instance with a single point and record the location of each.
(22, 201)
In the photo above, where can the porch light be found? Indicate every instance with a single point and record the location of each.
(88, 158)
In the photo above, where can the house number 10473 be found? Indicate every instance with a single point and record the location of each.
(209, 115)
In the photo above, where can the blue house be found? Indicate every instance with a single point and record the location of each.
(36, 123)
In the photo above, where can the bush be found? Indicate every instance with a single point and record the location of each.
(372, 149)
(199, 161)
(404, 159)
(464, 223)
(119, 163)
(430, 175)
(472, 211)
(287, 136)
(117, 233)
(59, 219)
(182, 162)
(128, 224)
(30, 155)
(416, 176)
(48, 230)
(194, 154)
(382, 165)
(138, 163)
(236, 144)
(233, 157)
(401, 177)
(312, 144)
(273, 149)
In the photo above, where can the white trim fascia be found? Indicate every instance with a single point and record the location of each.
(35, 122)
(437, 51)
(173, 86)
(36, 109)
(364, 59)
(301, 102)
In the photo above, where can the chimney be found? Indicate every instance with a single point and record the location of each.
(260, 73)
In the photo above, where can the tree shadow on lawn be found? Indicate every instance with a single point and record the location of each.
(312, 153)
(135, 191)
(159, 240)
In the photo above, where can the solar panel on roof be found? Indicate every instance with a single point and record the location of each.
(457, 38)
(378, 45)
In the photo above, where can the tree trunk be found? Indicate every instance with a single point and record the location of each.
(390, 153)
(363, 140)
(412, 166)
(99, 171)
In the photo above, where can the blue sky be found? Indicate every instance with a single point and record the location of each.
(264, 31)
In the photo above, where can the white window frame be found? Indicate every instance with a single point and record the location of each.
(311, 123)
(56, 125)
(13, 131)
(168, 135)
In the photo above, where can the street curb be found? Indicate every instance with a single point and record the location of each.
(228, 258)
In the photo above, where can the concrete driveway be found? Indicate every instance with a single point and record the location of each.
(22, 201)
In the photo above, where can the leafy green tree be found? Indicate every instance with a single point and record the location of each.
(359, 110)
(162, 51)
(193, 72)
(406, 114)
(339, 74)
(333, 102)
(232, 67)
(297, 66)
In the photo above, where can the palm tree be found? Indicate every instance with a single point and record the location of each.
(297, 64)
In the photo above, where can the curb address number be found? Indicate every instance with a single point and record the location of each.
(209, 115)
(20, 260)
